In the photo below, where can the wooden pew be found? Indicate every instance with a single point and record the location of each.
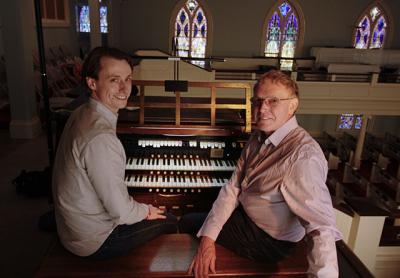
(171, 255)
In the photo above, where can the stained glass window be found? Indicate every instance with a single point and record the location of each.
(371, 30)
(83, 19)
(103, 19)
(190, 36)
(281, 36)
(350, 121)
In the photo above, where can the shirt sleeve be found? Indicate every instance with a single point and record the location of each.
(307, 195)
(104, 159)
(225, 203)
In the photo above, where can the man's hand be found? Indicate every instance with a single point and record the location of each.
(155, 213)
(204, 260)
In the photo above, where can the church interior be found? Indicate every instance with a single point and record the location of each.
(195, 65)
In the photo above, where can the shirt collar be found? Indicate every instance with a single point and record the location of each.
(104, 111)
(277, 136)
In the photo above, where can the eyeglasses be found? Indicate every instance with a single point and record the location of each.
(271, 101)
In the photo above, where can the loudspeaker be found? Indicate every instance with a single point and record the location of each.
(175, 86)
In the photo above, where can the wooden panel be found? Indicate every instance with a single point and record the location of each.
(171, 255)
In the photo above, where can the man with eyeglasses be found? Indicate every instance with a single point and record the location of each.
(277, 193)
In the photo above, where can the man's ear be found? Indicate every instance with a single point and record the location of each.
(91, 82)
(294, 104)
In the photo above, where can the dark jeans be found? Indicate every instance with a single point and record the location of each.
(127, 237)
(242, 236)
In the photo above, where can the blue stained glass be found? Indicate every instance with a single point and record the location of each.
(375, 35)
(346, 121)
(190, 21)
(182, 18)
(84, 21)
(203, 30)
(381, 37)
(284, 8)
(186, 29)
(274, 22)
(103, 20)
(358, 123)
(358, 36)
(364, 24)
(365, 38)
(199, 17)
(381, 24)
(195, 30)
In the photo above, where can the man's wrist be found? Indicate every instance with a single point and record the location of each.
(207, 240)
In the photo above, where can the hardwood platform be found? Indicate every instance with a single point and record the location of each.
(170, 256)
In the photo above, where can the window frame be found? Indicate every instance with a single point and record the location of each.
(389, 20)
(301, 27)
(55, 22)
(207, 13)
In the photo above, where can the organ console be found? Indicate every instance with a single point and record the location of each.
(181, 151)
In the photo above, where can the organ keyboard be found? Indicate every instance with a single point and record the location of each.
(179, 173)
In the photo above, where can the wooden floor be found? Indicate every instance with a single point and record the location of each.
(167, 256)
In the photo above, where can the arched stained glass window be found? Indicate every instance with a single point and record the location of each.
(83, 19)
(282, 33)
(190, 35)
(371, 29)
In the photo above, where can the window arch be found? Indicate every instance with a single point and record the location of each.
(191, 27)
(371, 28)
(282, 33)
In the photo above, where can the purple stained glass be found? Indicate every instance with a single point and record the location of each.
(364, 24)
(182, 17)
(381, 24)
(381, 37)
(191, 24)
(374, 36)
(103, 20)
(186, 29)
(84, 21)
(203, 30)
(284, 9)
(291, 29)
(346, 121)
(195, 30)
(358, 36)
(199, 17)
(358, 122)
(274, 22)
(365, 38)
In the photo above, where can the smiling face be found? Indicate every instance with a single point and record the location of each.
(114, 84)
(268, 117)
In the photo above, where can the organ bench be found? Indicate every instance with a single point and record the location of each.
(171, 255)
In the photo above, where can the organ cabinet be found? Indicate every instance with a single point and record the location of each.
(182, 150)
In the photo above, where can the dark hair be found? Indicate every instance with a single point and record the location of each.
(92, 66)
(277, 76)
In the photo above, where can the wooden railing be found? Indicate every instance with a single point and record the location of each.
(214, 102)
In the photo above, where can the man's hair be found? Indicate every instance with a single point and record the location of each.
(277, 76)
(92, 64)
